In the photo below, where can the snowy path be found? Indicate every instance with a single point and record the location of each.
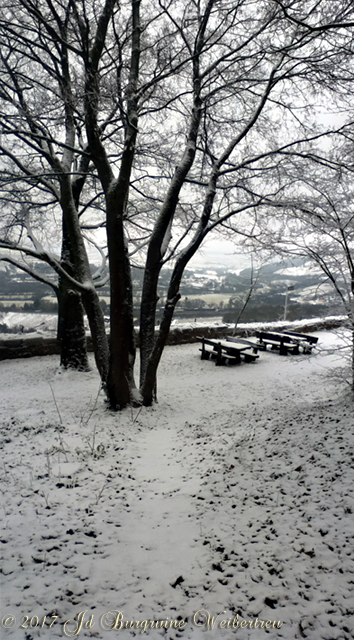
(158, 532)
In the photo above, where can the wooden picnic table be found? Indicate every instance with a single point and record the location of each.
(286, 341)
(278, 340)
(304, 339)
(226, 351)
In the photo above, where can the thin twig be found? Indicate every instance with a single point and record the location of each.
(94, 406)
(137, 415)
(55, 402)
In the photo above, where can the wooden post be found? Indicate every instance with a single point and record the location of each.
(219, 356)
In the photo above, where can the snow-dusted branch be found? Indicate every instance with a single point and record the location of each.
(31, 271)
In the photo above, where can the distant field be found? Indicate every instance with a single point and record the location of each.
(17, 302)
(17, 296)
(210, 298)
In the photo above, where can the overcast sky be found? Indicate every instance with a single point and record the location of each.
(219, 253)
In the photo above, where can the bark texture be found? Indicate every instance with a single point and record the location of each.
(71, 330)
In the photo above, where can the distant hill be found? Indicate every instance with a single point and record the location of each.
(297, 285)
(214, 290)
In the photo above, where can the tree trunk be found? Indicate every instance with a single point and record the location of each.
(95, 318)
(149, 301)
(352, 360)
(71, 325)
(148, 384)
(78, 262)
(148, 389)
(71, 329)
(160, 236)
(121, 388)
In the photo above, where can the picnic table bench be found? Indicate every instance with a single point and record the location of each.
(305, 340)
(286, 341)
(226, 351)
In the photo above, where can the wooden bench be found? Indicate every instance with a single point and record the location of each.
(226, 351)
(215, 353)
(302, 336)
(277, 341)
(305, 341)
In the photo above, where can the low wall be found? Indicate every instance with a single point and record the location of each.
(28, 347)
(190, 334)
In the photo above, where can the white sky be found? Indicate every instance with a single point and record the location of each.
(219, 253)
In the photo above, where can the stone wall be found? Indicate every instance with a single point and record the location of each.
(28, 347)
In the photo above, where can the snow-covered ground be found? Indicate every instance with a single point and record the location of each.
(23, 322)
(232, 496)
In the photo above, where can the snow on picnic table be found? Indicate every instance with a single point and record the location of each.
(232, 495)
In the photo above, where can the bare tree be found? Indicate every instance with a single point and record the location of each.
(183, 109)
(38, 126)
(314, 215)
(327, 232)
(19, 216)
(262, 81)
